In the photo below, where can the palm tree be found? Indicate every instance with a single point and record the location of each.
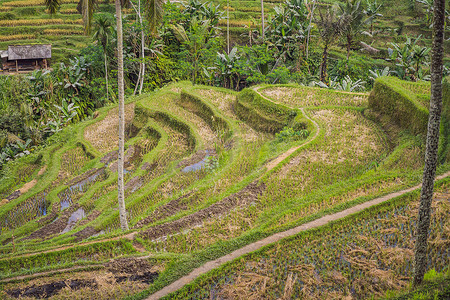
(101, 35)
(194, 40)
(330, 27)
(354, 15)
(52, 6)
(371, 10)
(426, 195)
(87, 8)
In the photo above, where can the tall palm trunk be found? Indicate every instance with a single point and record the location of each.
(426, 195)
(309, 28)
(142, 58)
(140, 80)
(228, 27)
(142, 48)
(262, 18)
(106, 75)
(349, 44)
(323, 66)
(121, 196)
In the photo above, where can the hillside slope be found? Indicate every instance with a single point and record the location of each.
(202, 180)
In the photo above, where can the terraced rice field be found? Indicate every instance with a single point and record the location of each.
(209, 171)
(28, 22)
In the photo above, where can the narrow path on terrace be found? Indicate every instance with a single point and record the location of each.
(176, 285)
(286, 154)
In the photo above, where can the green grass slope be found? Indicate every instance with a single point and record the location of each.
(201, 181)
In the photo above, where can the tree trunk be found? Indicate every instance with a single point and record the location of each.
(106, 75)
(349, 44)
(228, 27)
(369, 48)
(423, 224)
(309, 28)
(121, 196)
(323, 66)
(142, 50)
(140, 80)
(262, 18)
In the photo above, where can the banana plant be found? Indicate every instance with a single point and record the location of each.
(374, 74)
(225, 64)
(288, 27)
(409, 59)
(67, 111)
(346, 84)
(22, 145)
(194, 40)
(39, 80)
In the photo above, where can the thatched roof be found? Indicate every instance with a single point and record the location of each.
(29, 52)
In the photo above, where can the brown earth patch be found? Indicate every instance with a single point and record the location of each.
(244, 197)
(51, 289)
(55, 227)
(131, 155)
(149, 166)
(13, 195)
(16, 194)
(133, 269)
(84, 176)
(89, 230)
(42, 170)
(166, 210)
(109, 157)
(100, 134)
(85, 233)
(133, 184)
(129, 265)
(98, 283)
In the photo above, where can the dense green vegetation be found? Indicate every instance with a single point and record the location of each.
(189, 45)
(191, 158)
(223, 149)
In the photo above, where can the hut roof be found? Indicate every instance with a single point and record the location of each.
(29, 52)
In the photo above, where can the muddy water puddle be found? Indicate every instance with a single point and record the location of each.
(208, 154)
(76, 216)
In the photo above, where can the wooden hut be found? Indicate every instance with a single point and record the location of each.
(26, 57)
